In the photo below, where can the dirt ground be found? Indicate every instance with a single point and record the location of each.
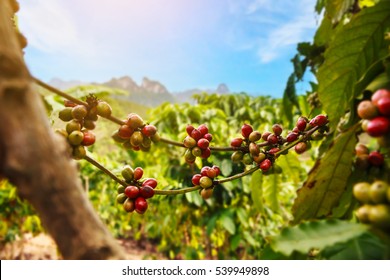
(42, 247)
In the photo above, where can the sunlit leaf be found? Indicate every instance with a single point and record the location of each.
(257, 190)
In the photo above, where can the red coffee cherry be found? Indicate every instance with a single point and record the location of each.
(291, 137)
(272, 139)
(217, 170)
(189, 129)
(132, 191)
(236, 142)
(211, 173)
(125, 132)
(380, 93)
(149, 130)
(146, 192)
(204, 170)
(203, 129)
(318, 120)
(203, 143)
(301, 124)
(195, 179)
(151, 182)
(206, 153)
(375, 158)
(196, 134)
(384, 106)
(141, 205)
(277, 129)
(246, 130)
(89, 138)
(138, 173)
(300, 148)
(378, 126)
(265, 164)
(208, 136)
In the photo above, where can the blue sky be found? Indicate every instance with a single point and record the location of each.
(246, 44)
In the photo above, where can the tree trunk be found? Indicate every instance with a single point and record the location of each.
(37, 161)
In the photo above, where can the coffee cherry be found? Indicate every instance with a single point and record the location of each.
(217, 170)
(189, 142)
(120, 189)
(375, 158)
(378, 192)
(236, 142)
(206, 153)
(127, 173)
(138, 173)
(196, 178)
(362, 213)
(70, 104)
(92, 114)
(204, 170)
(361, 192)
(254, 150)
(125, 132)
(132, 191)
(151, 182)
(73, 125)
(361, 149)
(300, 148)
(129, 205)
(146, 143)
(379, 94)
(149, 130)
(88, 138)
(189, 157)
(247, 159)
(189, 129)
(265, 165)
(384, 106)
(301, 124)
(273, 151)
(378, 126)
(277, 129)
(258, 159)
(379, 215)
(206, 193)
(75, 138)
(196, 134)
(155, 138)
(265, 135)
(254, 136)
(291, 137)
(79, 112)
(136, 138)
(197, 152)
(237, 156)
(134, 121)
(141, 205)
(272, 139)
(103, 109)
(211, 173)
(208, 136)
(203, 143)
(79, 152)
(146, 192)
(120, 198)
(246, 130)
(367, 110)
(318, 120)
(89, 124)
(65, 114)
(205, 182)
(203, 129)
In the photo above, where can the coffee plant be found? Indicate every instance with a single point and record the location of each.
(235, 176)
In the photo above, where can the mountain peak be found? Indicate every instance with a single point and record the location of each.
(222, 88)
(153, 86)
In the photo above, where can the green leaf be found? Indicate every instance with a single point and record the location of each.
(356, 46)
(270, 186)
(366, 247)
(299, 67)
(337, 8)
(324, 32)
(226, 167)
(211, 224)
(327, 180)
(228, 223)
(257, 190)
(381, 81)
(315, 235)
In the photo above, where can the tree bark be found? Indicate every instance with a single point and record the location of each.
(37, 161)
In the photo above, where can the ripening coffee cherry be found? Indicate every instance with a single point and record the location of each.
(208, 136)
(273, 151)
(272, 139)
(300, 148)
(254, 136)
(75, 138)
(246, 130)
(89, 124)
(146, 143)
(92, 114)
(291, 137)
(378, 192)
(156, 138)
(236, 142)
(70, 104)
(301, 123)
(134, 121)
(362, 213)
(120, 198)
(379, 94)
(375, 158)
(141, 205)
(132, 191)
(204, 170)
(189, 157)
(205, 182)
(196, 134)
(197, 152)
(65, 114)
(203, 143)
(265, 135)
(367, 110)
(189, 142)
(265, 165)
(151, 182)
(195, 179)
(73, 125)
(129, 205)
(384, 106)
(103, 109)
(211, 173)
(149, 130)
(203, 129)
(189, 129)
(379, 215)
(127, 173)
(125, 132)
(206, 153)
(318, 120)
(138, 173)
(247, 159)
(89, 138)
(146, 192)
(136, 138)
(217, 170)
(120, 189)
(254, 150)
(79, 152)
(361, 192)
(79, 112)
(378, 126)
(206, 193)
(277, 129)
(361, 149)
(237, 156)
(258, 159)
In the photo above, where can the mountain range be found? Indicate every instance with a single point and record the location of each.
(150, 92)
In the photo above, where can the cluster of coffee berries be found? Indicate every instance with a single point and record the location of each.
(206, 180)
(80, 121)
(376, 116)
(197, 143)
(366, 159)
(265, 152)
(135, 134)
(375, 199)
(134, 195)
